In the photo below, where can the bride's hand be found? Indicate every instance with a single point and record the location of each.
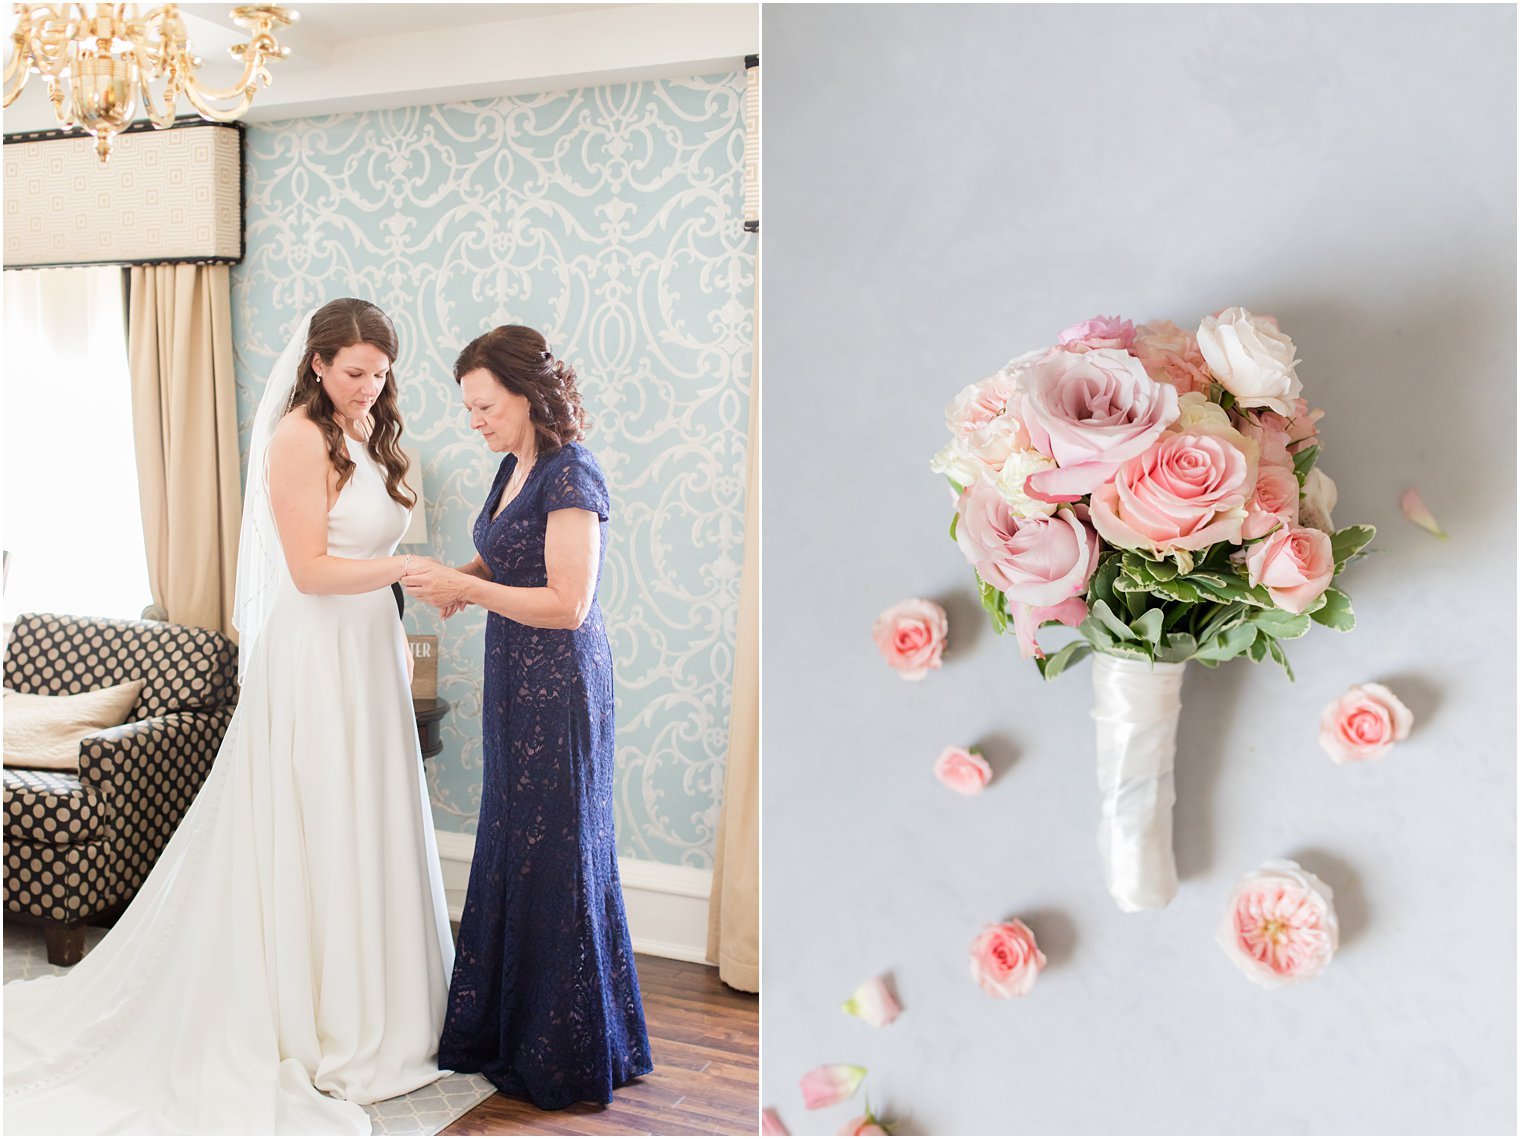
(435, 584)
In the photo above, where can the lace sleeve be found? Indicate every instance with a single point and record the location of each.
(576, 484)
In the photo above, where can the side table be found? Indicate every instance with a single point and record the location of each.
(430, 714)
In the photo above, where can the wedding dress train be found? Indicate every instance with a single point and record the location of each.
(288, 958)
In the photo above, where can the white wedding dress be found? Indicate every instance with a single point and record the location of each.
(293, 939)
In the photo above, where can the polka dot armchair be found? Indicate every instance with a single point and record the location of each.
(77, 847)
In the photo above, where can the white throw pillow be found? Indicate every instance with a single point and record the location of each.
(44, 731)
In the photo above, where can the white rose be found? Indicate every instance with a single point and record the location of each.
(1251, 358)
(1010, 483)
(1317, 500)
(993, 443)
(956, 463)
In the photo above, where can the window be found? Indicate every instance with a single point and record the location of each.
(72, 526)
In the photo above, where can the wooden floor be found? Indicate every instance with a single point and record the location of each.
(705, 1038)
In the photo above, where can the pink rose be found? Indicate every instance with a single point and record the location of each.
(1271, 441)
(911, 636)
(1364, 724)
(1280, 437)
(1037, 560)
(866, 1124)
(962, 770)
(1099, 332)
(1005, 960)
(1028, 618)
(1170, 356)
(1295, 564)
(1280, 925)
(1275, 502)
(1090, 412)
(1185, 493)
(978, 404)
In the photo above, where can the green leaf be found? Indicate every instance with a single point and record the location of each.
(1227, 645)
(1178, 590)
(1101, 588)
(954, 522)
(1135, 604)
(1111, 622)
(1303, 463)
(1162, 571)
(1177, 647)
(1137, 566)
(1229, 587)
(1148, 626)
(1097, 634)
(1258, 649)
(1129, 649)
(992, 602)
(1336, 612)
(1226, 619)
(1280, 624)
(1280, 657)
(1346, 543)
(1062, 659)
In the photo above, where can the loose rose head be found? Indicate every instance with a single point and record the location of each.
(1295, 564)
(1185, 493)
(1274, 503)
(1364, 724)
(911, 636)
(873, 1003)
(1170, 356)
(1280, 926)
(1036, 560)
(1251, 359)
(830, 1084)
(1090, 412)
(1005, 960)
(1099, 332)
(1317, 500)
(866, 1124)
(962, 770)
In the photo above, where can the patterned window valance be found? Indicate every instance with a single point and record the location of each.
(166, 196)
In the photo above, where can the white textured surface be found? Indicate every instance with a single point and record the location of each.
(947, 188)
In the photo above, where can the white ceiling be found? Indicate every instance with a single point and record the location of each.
(347, 57)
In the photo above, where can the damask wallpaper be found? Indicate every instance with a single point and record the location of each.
(610, 218)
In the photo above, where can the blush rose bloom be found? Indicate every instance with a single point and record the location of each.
(1274, 503)
(911, 636)
(1185, 493)
(1251, 358)
(963, 770)
(1039, 561)
(1005, 959)
(866, 1124)
(1090, 412)
(1280, 925)
(1364, 724)
(1295, 564)
(1170, 356)
(978, 404)
(1099, 332)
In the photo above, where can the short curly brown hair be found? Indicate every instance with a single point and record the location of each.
(519, 359)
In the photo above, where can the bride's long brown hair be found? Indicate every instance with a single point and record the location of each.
(337, 325)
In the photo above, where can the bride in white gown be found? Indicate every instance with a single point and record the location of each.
(288, 958)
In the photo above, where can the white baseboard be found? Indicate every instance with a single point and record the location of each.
(667, 905)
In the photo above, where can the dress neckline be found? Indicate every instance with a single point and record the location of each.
(495, 505)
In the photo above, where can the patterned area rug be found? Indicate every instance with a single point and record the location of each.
(426, 1111)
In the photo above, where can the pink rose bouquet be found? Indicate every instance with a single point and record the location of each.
(1155, 489)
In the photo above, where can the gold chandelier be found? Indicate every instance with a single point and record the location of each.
(106, 60)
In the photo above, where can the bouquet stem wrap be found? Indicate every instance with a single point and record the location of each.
(1136, 705)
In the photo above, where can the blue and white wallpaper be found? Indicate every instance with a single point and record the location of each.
(611, 219)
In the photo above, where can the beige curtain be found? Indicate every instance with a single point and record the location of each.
(184, 424)
(733, 915)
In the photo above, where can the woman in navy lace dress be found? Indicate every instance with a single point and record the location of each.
(544, 1000)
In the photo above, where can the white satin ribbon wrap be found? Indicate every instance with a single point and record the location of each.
(1136, 705)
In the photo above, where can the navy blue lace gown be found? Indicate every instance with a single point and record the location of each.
(545, 1000)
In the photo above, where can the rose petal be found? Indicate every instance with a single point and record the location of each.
(830, 1084)
(770, 1123)
(873, 1003)
(1416, 511)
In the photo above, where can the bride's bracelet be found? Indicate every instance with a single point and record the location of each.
(406, 564)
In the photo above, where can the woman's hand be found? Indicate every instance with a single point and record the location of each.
(437, 585)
